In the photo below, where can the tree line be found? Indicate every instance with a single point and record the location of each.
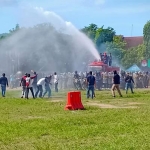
(105, 40)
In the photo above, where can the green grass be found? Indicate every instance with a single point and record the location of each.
(43, 124)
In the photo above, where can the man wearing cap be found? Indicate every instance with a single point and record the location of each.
(3, 82)
(116, 83)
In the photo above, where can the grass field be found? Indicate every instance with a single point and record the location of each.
(106, 124)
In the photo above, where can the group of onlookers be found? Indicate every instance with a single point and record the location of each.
(91, 81)
(28, 83)
(32, 84)
(141, 79)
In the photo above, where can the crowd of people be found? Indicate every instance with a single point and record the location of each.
(39, 85)
(36, 86)
(28, 82)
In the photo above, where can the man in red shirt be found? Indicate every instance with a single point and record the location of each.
(23, 84)
(29, 85)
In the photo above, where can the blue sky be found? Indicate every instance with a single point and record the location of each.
(119, 14)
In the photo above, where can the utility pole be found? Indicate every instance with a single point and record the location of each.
(131, 30)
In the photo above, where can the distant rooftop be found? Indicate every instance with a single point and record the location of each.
(133, 41)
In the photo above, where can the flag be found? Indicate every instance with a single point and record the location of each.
(144, 63)
(149, 63)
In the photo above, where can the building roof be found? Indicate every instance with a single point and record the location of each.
(133, 41)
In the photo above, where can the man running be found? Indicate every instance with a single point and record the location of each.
(116, 83)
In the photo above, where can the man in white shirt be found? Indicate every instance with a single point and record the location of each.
(40, 84)
(29, 85)
(56, 82)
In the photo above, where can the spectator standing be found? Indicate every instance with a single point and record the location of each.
(129, 81)
(56, 81)
(98, 80)
(12, 81)
(91, 84)
(4, 83)
(110, 60)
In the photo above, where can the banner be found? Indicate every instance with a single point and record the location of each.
(149, 63)
(144, 63)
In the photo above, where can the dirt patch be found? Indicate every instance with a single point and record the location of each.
(134, 103)
(102, 105)
(110, 106)
(35, 117)
(56, 100)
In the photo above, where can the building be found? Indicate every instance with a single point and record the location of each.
(133, 41)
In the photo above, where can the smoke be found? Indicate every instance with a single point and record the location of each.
(46, 43)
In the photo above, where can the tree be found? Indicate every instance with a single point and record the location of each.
(17, 27)
(90, 31)
(134, 56)
(104, 35)
(99, 35)
(116, 48)
(146, 33)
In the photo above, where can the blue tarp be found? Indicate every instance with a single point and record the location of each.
(134, 68)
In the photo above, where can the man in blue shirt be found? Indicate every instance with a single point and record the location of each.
(129, 80)
(3, 82)
(47, 86)
(90, 84)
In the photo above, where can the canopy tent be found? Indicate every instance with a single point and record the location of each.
(133, 68)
